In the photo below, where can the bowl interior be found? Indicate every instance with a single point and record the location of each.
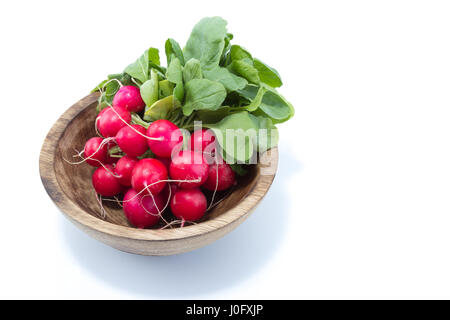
(75, 180)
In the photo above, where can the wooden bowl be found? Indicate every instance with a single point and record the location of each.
(69, 186)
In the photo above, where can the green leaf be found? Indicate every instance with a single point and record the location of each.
(249, 92)
(175, 75)
(110, 91)
(276, 107)
(267, 74)
(239, 53)
(239, 120)
(147, 154)
(208, 116)
(173, 49)
(106, 98)
(206, 42)
(254, 95)
(224, 59)
(140, 68)
(178, 92)
(154, 61)
(242, 64)
(150, 92)
(235, 134)
(165, 88)
(192, 70)
(245, 69)
(272, 105)
(175, 71)
(99, 86)
(239, 169)
(256, 102)
(153, 56)
(203, 94)
(124, 78)
(267, 134)
(136, 119)
(161, 108)
(229, 80)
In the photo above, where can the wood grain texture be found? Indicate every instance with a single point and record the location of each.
(69, 186)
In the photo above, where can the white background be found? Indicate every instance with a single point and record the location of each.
(360, 207)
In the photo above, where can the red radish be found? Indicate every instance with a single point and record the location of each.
(104, 181)
(131, 142)
(147, 173)
(129, 97)
(189, 165)
(201, 139)
(100, 113)
(225, 176)
(109, 122)
(93, 153)
(141, 210)
(168, 133)
(189, 204)
(109, 159)
(124, 168)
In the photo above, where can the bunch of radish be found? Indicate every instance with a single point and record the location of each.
(152, 168)
(149, 147)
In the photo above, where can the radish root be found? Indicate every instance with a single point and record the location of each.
(217, 183)
(79, 154)
(147, 137)
(181, 222)
(148, 186)
(96, 127)
(157, 208)
(105, 141)
(102, 209)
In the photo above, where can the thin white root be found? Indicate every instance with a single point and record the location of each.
(134, 81)
(90, 157)
(102, 209)
(96, 127)
(79, 153)
(159, 181)
(109, 171)
(154, 202)
(105, 141)
(168, 199)
(160, 212)
(156, 206)
(177, 222)
(217, 183)
(148, 186)
(117, 201)
(219, 201)
(146, 137)
(107, 82)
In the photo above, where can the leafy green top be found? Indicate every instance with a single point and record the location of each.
(210, 80)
